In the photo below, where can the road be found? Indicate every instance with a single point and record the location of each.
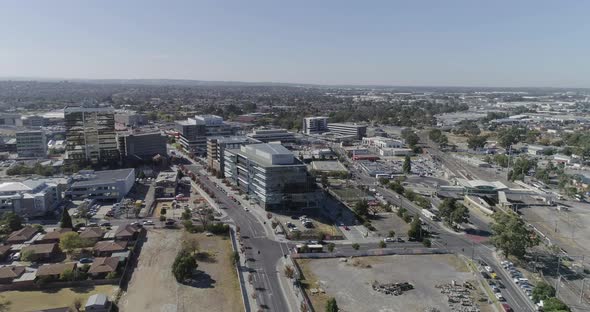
(263, 253)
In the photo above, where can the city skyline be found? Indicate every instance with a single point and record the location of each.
(460, 43)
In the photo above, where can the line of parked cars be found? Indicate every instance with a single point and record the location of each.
(518, 278)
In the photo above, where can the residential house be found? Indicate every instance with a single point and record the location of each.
(127, 232)
(106, 248)
(92, 234)
(9, 273)
(97, 303)
(41, 251)
(22, 235)
(103, 266)
(55, 270)
(4, 251)
(53, 236)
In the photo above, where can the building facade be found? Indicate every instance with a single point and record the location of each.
(90, 135)
(142, 145)
(130, 119)
(101, 185)
(194, 132)
(30, 198)
(315, 125)
(216, 147)
(273, 177)
(31, 144)
(348, 129)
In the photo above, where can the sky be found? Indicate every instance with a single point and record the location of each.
(517, 43)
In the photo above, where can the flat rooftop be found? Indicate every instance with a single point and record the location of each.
(88, 178)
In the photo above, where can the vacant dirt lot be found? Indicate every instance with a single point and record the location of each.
(153, 287)
(52, 298)
(350, 282)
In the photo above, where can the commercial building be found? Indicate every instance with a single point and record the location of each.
(34, 121)
(30, 198)
(538, 149)
(194, 132)
(142, 145)
(315, 125)
(90, 135)
(7, 119)
(272, 176)
(216, 147)
(166, 184)
(381, 142)
(130, 119)
(31, 144)
(101, 185)
(348, 129)
(272, 135)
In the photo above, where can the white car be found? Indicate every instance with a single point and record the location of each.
(389, 239)
(148, 222)
(499, 296)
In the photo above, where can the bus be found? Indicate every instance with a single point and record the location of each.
(311, 248)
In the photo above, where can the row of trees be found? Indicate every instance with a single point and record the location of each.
(21, 169)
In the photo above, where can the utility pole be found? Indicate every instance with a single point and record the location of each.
(559, 276)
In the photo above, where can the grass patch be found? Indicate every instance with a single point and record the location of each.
(52, 298)
(309, 281)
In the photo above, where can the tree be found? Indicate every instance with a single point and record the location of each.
(27, 255)
(331, 247)
(459, 215)
(476, 141)
(235, 257)
(554, 305)
(68, 275)
(427, 243)
(355, 246)
(66, 220)
(12, 221)
(183, 266)
(511, 236)
(324, 181)
(289, 271)
(415, 230)
(382, 244)
(70, 241)
(391, 233)
(186, 214)
(331, 305)
(407, 166)
(361, 208)
(543, 291)
(383, 181)
(396, 187)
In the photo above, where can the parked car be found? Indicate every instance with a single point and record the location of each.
(148, 222)
(105, 224)
(86, 260)
(15, 257)
(507, 307)
(499, 297)
(389, 239)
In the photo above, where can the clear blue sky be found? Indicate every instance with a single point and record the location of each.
(394, 42)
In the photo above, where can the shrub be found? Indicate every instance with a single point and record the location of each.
(356, 246)
(382, 244)
(331, 247)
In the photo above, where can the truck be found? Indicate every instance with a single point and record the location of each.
(430, 215)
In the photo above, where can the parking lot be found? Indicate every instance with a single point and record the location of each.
(153, 287)
(350, 282)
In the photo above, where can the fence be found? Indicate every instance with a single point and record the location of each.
(300, 275)
(52, 285)
(132, 260)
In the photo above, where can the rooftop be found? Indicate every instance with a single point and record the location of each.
(90, 177)
(104, 265)
(269, 154)
(55, 268)
(40, 248)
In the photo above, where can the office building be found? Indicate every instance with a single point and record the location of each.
(381, 142)
(216, 147)
(272, 176)
(130, 119)
(315, 125)
(34, 121)
(31, 144)
(30, 198)
(272, 135)
(134, 145)
(7, 119)
(348, 129)
(215, 126)
(101, 185)
(90, 135)
(194, 132)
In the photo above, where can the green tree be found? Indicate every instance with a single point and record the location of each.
(27, 255)
(459, 215)
(396, 187)
(355, 246)
(511, 236)
(543, 291)
(361, 208)
(415, 230)
(407, 165)
(382, 244)
(427, 243)
(453, 212)
(331, 305)
(331, 247)
(66, 220)
(70, 241)
(183, 266)
(476, 141)
(391, 233)
(68, 275)
(383, 181)
(12, 221)
(554, 305)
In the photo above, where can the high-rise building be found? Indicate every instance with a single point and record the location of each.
(216, 147)
(90, 135)
(31, 144)
(348, 129)
(194, 132)
(272, 176)
(315, 125)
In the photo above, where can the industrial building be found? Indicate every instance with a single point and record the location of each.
(31, 144)
(272, 176)
(90, 135)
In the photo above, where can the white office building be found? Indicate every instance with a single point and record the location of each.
(101, 185)
(348, 130)
(30, 198)
(315, 125)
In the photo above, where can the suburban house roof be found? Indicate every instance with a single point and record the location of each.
(55, 268)
(56, 234)
(11, 271)
(126, 230)
(39, 249)
(104, 265)
(97, 300)
(4, 249)
(92, 232)
(112, 246)
(23, 234)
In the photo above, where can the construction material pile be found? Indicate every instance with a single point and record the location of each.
(459, 296)
(395, 289)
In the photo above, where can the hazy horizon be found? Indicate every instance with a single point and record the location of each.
(461, 43)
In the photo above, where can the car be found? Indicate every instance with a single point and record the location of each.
(495, 289)
(346, 228)
(15, 257)
(489, 269)
(105, 224)
(389, 239)
(246, 208)
(500, 284)
(86, 260)
(148, 222)
(400, 240)
(499, 296)
(92, 225)
(506, 307)
(208, 234)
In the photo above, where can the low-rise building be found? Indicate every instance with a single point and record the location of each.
(93, 234)
(54, 236)
(101, 185)
(127, 232)
(107, 248)
(272, 135)
(348, 129)
(103, 266)
(166, 183)
(538, 149)
(55, 270)
(22, 235)
(41, 251)
(97, 303)
(30, 198)
(11, 272)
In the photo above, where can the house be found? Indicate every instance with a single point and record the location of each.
(4, 251)
(127, 232)
(103, 266)
(55, 270)
(92, 234)
(53, 236)
(97, 303)
(9, 273)
(41, 251)
(106, 248)
(22, 235)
